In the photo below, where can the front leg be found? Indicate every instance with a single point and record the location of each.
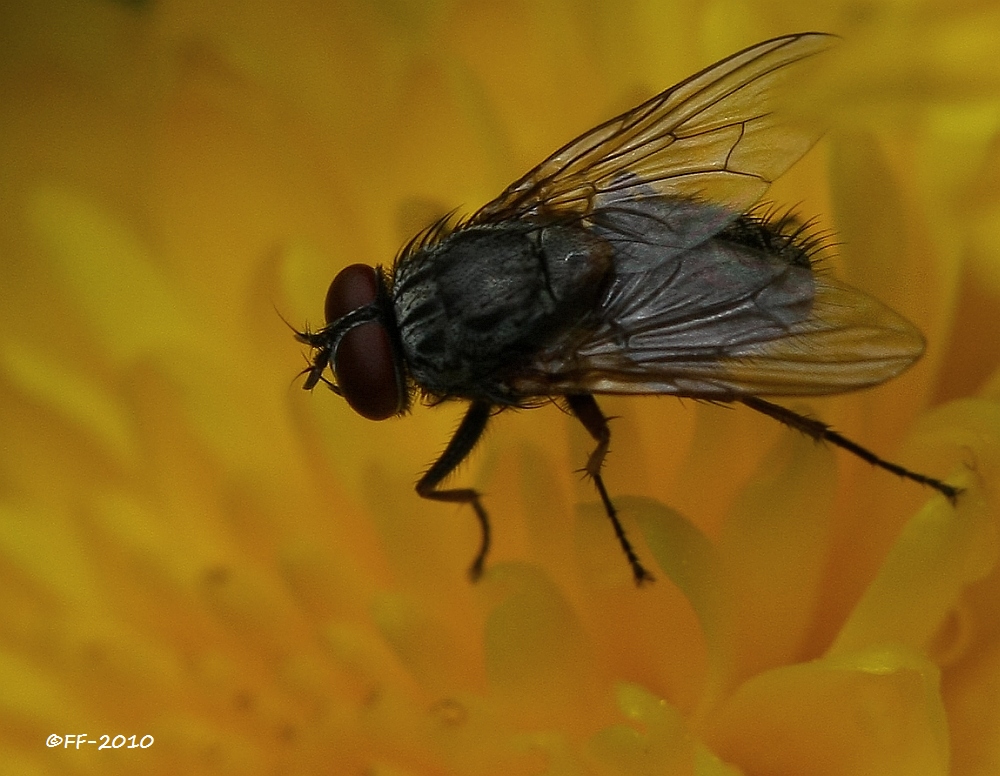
(586, 410)
(469, 431)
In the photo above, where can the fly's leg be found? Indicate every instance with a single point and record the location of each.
(586, 410)
(820, 431)
(469, 431)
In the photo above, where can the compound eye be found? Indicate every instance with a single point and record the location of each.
(366, 368)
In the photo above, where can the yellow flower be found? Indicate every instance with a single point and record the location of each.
(195, 551)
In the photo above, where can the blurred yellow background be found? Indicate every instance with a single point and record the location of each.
(193, 548)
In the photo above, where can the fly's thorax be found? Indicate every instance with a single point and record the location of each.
(473, 306)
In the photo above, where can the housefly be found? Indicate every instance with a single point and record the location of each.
(631, 261)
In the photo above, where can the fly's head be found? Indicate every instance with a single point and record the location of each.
(357, 346)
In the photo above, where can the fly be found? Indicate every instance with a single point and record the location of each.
(631, 261)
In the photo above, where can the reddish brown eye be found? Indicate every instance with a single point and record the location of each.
(365, 364)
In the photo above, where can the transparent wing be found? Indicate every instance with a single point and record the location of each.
(714, 137)
(711, 324)
(762, 345)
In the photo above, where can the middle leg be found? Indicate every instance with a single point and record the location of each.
(585, 407)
